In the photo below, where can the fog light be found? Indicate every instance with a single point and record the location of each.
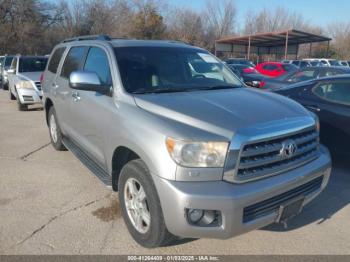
(204, 218)
(195, 215)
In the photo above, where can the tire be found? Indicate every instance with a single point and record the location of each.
(55, 131)
(12, 97)
(155, 234)
(21, 107)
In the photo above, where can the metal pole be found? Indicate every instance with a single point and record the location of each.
(248, 48)
(327, 54)
(310, 50)
(286, 47)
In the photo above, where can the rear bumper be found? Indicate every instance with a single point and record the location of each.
(29, 96)
(231, 199)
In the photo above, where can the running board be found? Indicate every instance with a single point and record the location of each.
(88, 162)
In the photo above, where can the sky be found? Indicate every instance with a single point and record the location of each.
(317, 12)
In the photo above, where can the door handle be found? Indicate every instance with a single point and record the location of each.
(76, 96)
(313, 108)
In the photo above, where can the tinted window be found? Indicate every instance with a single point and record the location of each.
(73, 61)
(165, 69)
(327, 72)
(55, 59)
(32, 64)
(97, 61)
(302, 76)
(295, 63)
(338, 92)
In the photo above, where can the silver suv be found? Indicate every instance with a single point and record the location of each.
(24, 80)
(191, 152)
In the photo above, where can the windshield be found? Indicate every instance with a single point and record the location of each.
(334, 63)
(8, 61)
(165, 69)
(32, 64)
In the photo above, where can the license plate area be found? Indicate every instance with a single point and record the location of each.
(290, 209)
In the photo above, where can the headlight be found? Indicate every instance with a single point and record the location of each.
(25, 84)
(197, 154)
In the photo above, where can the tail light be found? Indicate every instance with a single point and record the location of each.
(249, 70)
(261, 84)
(42, 78)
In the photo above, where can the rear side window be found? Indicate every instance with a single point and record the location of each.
(73, 60)
(97, 61)
(337, 92)
(55, 59)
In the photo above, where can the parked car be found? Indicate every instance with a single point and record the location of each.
(325, 61)
(24, 80)
(250, 75)
(190, 152)
(6, 66)
(329, 98)
(300, 63)
(239, 61)
(275, 69)
(303, 74)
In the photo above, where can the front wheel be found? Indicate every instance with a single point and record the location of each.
(55, 131)
(140, 206)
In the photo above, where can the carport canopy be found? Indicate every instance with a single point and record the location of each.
(282, 42)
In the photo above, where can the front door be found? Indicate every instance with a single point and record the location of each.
(89, 110)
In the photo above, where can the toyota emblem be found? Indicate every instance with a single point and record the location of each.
(289, 147)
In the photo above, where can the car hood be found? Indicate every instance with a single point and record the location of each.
(32, 76)
(221, 111)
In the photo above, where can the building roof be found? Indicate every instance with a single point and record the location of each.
(275, 38)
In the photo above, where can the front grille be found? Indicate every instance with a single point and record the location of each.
(265, 158)
(38, 85)
(273, 204)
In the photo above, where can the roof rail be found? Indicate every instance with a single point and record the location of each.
(87, 37)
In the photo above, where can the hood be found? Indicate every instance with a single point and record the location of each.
(32, 76)
(221, 111)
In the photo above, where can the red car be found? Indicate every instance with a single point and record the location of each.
(275, 69)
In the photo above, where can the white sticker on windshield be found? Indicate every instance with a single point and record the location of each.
(208, 58)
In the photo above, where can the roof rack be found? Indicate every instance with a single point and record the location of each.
(87, 37)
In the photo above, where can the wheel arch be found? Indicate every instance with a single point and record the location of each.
(47, 106)
(121, 156)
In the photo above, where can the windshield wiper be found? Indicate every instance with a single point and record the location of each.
(159, 90)
(216, 87)
(173, 90)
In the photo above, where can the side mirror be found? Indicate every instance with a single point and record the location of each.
(88, 81)
(11, 71)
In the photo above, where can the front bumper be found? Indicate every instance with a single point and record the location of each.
(29, 96)
(231, 199)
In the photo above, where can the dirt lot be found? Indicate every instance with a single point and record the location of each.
(51, 204)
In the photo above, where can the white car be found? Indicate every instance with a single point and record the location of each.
(24, 80)
(325, 61)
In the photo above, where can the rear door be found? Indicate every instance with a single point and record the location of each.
(89, 113)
